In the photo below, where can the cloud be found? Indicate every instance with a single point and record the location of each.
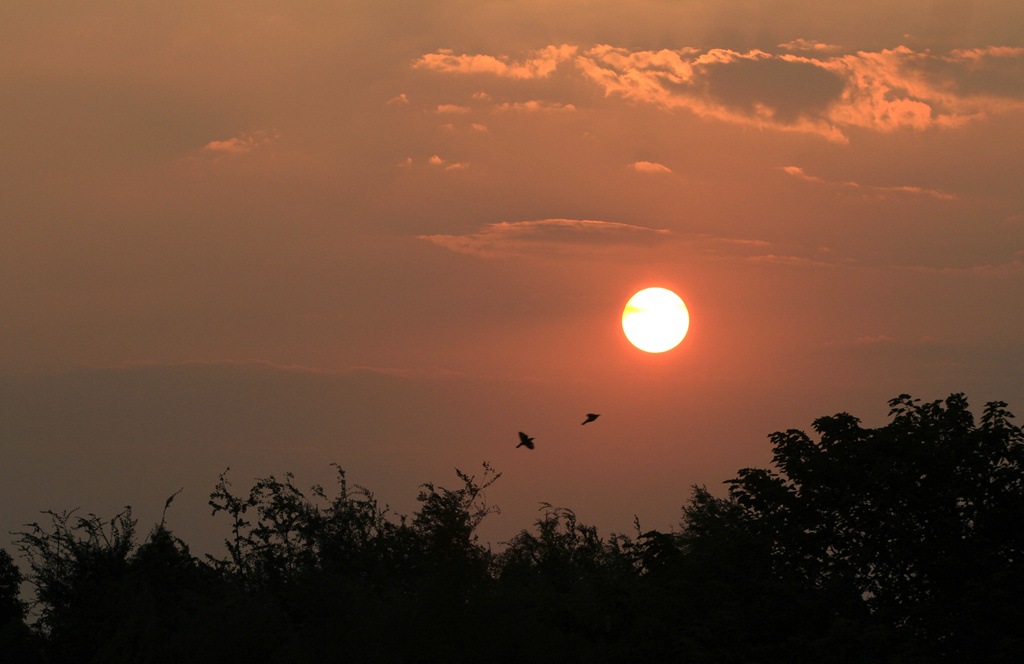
(399, 99)
(783, 91)
(533, 106)
(1014, 269)
(575, 237)
(649, 167)
(798, 172)
(812, 87)
(994, 72)
(889, 343)
(237, 145)
(435, 160)
(879, 339)
(900, 88)
(807, 45)
(548, 235)
(785, 260)
(453, 108)
(542, 63)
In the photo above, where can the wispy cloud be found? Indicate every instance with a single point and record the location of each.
(798, 172)
(883, 342)
(548, 235)
(436, 160)
(649, 167)
(238, 144)
(533, 106)
(453, 108)
(810, 46)
(540, 63)
(576, 238)
(877, 339)
(581, 238)
(1014, 269)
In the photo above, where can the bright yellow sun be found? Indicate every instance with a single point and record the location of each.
(655, 320)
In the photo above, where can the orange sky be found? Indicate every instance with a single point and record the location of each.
(275, 235)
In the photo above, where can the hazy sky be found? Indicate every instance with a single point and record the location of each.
(391, 234)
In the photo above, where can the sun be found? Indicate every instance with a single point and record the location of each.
(655, 320)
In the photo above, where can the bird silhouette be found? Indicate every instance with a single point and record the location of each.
(525, 440)
(590, 418)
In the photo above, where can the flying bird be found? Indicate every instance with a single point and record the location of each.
(525, 440)
(590, 418)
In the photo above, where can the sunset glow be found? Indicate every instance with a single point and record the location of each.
(390, 235)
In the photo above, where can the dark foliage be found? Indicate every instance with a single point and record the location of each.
(11, 606)
(915, 525)
(897, 544)
(17, 642)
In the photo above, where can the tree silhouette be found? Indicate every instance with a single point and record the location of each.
(916, 522)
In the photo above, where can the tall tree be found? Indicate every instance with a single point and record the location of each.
(918, 520)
